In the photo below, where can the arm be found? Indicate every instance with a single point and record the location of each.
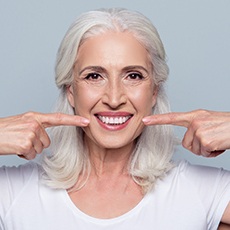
(223, 226)
(25, 134)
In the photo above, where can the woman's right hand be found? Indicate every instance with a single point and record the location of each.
(25, 134)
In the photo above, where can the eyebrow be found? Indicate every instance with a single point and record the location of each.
(135, 67)
(93, 68)
(125, 69)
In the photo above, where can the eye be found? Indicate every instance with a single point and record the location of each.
(93, 76)
(135, 76)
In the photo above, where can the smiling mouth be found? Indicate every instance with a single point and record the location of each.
(118, 120)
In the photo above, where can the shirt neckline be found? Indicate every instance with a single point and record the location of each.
(87, 217)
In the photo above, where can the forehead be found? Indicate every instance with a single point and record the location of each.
(112, 48)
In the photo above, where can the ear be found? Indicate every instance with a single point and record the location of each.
(70, 95)
(154, 97)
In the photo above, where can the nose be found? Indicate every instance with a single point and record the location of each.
(114, 95)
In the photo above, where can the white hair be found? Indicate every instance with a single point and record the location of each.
(69, 159)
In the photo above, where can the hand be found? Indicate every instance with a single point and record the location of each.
(25, 134)
(208, 132)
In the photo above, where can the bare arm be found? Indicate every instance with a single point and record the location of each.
(223, 226)
(25, 134)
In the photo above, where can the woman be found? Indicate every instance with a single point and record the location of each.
(111, 172)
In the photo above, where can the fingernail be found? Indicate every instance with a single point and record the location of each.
(85, 121)
(146, 120)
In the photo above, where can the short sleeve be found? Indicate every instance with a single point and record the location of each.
(12, 181)
(213, 188)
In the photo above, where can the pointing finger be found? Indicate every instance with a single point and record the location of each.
(180, 119)
(57, 119)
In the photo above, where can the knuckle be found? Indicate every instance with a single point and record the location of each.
(26, 146)
(171, 116)
(28, 115)
(196, 124)
(199, 133)
(27, 153)
(207, 145)
(29, 119)
(199, 116)
(30, 136)
(59, 116)
(39, 148)
(205, 153)
(206, 115)
(46, 144)
(30, 156)
(185, 144)
(202, 112)
(34, 126)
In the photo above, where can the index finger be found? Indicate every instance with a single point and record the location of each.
(179, 119)
(58, 119)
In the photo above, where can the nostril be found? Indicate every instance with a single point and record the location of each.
(114, 95)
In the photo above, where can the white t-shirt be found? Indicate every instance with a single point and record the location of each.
(189, 198)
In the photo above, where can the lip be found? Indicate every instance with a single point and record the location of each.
(113, 121)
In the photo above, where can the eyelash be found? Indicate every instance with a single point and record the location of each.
(135, 75)
(92, 76)
(130, 76)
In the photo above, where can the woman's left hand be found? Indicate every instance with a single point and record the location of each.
(208, 132)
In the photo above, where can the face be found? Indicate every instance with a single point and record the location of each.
(113, 87)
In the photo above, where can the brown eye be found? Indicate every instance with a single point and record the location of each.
(93, 76)
(135, 76)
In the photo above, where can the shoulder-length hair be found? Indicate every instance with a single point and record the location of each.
(151, 158)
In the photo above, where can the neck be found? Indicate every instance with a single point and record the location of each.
(109, 161)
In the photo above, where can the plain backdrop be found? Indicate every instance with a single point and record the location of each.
(196, 35)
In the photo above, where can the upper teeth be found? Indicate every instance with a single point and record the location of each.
(113, 120)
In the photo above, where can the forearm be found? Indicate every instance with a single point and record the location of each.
(223, 226)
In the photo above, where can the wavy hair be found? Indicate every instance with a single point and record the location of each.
(69, 159)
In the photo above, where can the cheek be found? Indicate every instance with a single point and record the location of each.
(143, 99)
(85, 99)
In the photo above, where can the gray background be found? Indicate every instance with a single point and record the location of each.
(196, 35)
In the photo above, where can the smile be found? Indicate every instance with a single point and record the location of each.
(114, 120)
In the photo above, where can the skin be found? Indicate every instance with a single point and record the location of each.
(207, 131)
(112, 57)
(208, 134)
(25, 135)
(112, 77)
(223, 226)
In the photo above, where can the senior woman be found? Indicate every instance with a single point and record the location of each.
(110, 164)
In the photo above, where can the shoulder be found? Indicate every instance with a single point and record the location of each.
(198, 189)
(18, 176)
(14, 180)
(200, 175)
(209, 184)
(199, 172)
(23, 169)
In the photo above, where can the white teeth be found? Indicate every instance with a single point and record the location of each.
(113, 120)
